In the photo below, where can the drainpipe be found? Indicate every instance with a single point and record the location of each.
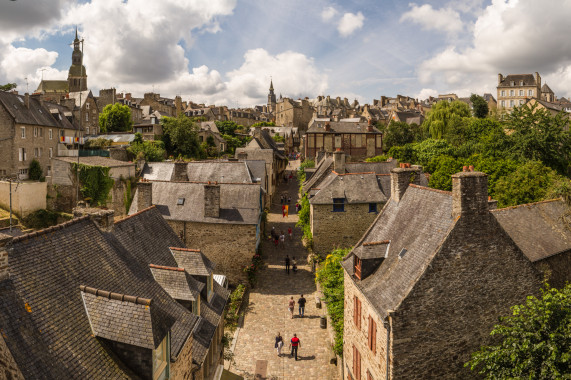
(387, 324)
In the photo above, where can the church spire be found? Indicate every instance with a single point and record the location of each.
(271, 85)
(76, 33)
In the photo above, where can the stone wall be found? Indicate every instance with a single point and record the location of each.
(8, 368)
(27, 197)
(119, 154)
(138, 359)
(229, 246)
(374, 362)
(182, 368)
(61, 197)
(556, 268)
(340, 229)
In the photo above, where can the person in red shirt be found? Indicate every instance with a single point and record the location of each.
(295, 343)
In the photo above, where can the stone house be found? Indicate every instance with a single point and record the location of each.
(85, 110)
(358, 140)
(428, 280)
(547, 94)
(489, 98)
(515, 89)
(209, 128)
(166, 106)
(32, 129)
(293, 113)
(408, 116)
(223, 220)
(117, 310)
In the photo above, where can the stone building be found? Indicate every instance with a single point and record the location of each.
(86, 111)
(547, 94)
(33, 129)
(293, 113)
(428, 280)
(515, 89)
(166, 106)
(271, 99)
(223, 220)
(209, 129)
(358, 140)
(132, 303)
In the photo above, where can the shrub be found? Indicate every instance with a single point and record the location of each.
(35, 171)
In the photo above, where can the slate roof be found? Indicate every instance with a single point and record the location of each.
(80, 95)
(418, 223)
(538, 229)
(177, 283)
(257, 170)
(547, 105)
(354, 188)
(36, 114)
(218, 171)
(341, 127)
(545, 89)
(158, 171)
(97, 161)
(239, 203)
(528, 80)
(209, 126)
(53, 86)
(193, 261)
(367, 167)
(323, 169)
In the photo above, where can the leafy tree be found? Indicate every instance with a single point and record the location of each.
(444, 167)
(98, 143)
(150, 150)
(180, 136)
(443, 115)
(479, 106)
(115, 118)
(535, 341)
(381, 158)
(210, 141)
(405, 153)
(429, 149)
(96, 182)
(398, 133)
(264, 124)
(35, 171)
(536, 135)
(8, 86)
(278, 138)
(227, 127)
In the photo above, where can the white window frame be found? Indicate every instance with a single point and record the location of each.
(529, 92)
(521, 92)
(161, 359)
(512, 92)
(51, 134)
(22, 154)
(521, 102)
(51, 152)
(503, 103)
(35, 131)
(23, 132)
(503, 93)
(511, 103)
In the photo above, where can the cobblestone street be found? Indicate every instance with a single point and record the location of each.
(267, 313)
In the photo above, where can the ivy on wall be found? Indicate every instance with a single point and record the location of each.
(95, 183)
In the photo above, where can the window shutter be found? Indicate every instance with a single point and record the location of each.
(374, 337)
(369, 333)
(355, 300)
(359, 316)
(358, 365)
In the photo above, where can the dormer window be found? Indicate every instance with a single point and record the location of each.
(521, 83)
(161, 358)
(357, 266)
(338, 204)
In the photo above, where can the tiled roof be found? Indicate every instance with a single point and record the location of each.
(528, 80)
(36, 114)
(193, 261)
(355, 188)
(177, 283)
(323, 169)
(218, 171)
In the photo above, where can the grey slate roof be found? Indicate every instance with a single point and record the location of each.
(545, 89)
(355, 188)
(97, 161)
(158, 171)
(218, 171)
(177, 282)
(323, 169)
(193, 261)
(368, 167)
(537, 228)
(341, 127)
(257, 170)
(418, 223)
(528, 80)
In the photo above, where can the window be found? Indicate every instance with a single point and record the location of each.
(520, 102)
(23, 132)
(36, 152)
(512, 92)
(529, 92)
(86, 117)
(357, 312)
(86, 130)
(23, 172)
(503, 103)
(41, 131)
(161, 358)
(372, 335)
(338, 204)
(41, 151)
(357, 266)
(180, 201)
(51, 152)
(521, 83)
(511, 103)
(49, 170)
(50, 134)
(35, 132)
(2, 172)
(372, 207)
(86, 106)
(356, 363)
(503, 92)
(521, 92)
(22, 154)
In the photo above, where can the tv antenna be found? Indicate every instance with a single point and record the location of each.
(42, 70)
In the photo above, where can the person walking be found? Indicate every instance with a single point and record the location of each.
(279, 344)
(301, 303)
(290, 232)
(294, 344)
(287, 264)
(283, 211)
(282, 239)
(290, 306)
(294, 265)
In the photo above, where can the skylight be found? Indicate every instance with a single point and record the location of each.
(402, 253)
(180, 201)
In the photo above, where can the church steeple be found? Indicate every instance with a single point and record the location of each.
(271, 86)
(77, 77)
(271, 98)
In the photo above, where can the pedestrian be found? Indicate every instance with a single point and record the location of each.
(295, 343)
(273, 232)
(287, 263)
(301, 303)
(286, 211)
(282, 239)
(297, 207)
(276, 240)
(290, 232)
(294, 265)
(281, 199)
(279, 344)
(288, 199)
(283, 211)
(290, 306)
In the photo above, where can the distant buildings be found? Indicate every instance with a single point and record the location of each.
(515, 89)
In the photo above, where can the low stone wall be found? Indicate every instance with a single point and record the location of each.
(27, 197)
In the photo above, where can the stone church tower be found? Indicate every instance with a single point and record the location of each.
(77, 77)
(271, 99)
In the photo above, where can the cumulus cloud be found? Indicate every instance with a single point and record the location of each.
(328, 13)
(445, 19)
(349, 23)
(425, 93)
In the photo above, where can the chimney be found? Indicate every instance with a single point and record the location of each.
(180, 173)
(492, 203)
(4, 268)
(128, 96)
(500, 79)
(339, 161)
(27, 100)
(144, 194)
(370, 125)
(469, 194)
(401, 178)
(537, 81)
(104, 219)
(212, 200)
(327, 127)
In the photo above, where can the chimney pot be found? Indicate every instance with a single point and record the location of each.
(464, 168)
(144, 195)
(27, 100)
(471, 168)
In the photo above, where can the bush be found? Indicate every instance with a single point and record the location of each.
(44, 219)
(381, 158)
(35, 171)
(233, 307)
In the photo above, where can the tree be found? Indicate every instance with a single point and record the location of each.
(227, 127)
(535, 341)
(180, 136)
(398, 133)
(150, 150)
(443, 115)
(442, 168)
(278, 138)
(35, 171)
(479, 106)
(264, 124)
(115, 118)
(8, 86)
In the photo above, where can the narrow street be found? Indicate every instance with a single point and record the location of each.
(267, 313)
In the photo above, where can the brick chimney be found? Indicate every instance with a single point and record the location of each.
(537, 81)
(128, 96)
(144, 194)
(500, 79)
(327, 127)
(104, 219)
(401, 178)
(212, 200)
(370, 125)
(4, 268)
(469, 194)
(339, 161)
(180, 173)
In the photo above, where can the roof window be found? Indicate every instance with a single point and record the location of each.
(402, 253)
(180, 201)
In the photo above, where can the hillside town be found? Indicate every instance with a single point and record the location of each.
(153, 237)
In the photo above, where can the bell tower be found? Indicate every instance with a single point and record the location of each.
(77, 77)
(271, 99)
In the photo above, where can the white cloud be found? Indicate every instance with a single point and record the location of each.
(328, 13)
(349, 23)
(445, 19)
(425, 93)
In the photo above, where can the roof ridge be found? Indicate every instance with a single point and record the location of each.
(116, 296)
(527, 204)
(135, 214)
(206, 182)
(376, 242)
(430, 189)
(185, 249)
(49, 229)
(360, 173)
(177, 269)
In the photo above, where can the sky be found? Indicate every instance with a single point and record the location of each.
(225, 52)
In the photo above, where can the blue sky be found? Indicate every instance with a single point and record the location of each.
(225, 51)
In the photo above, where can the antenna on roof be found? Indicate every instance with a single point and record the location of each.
(42, 70)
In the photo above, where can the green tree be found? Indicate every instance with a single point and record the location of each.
(264, 124)
(35, 171)
(534, 342)
(150, 150)
(227, 127)
(115, 118)
(429, 149)
(479, 106)
(398, 133)
(180, 136)
(210, 141)
(442, 169)
(8, 86)
(443, 116)
(278, 138)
